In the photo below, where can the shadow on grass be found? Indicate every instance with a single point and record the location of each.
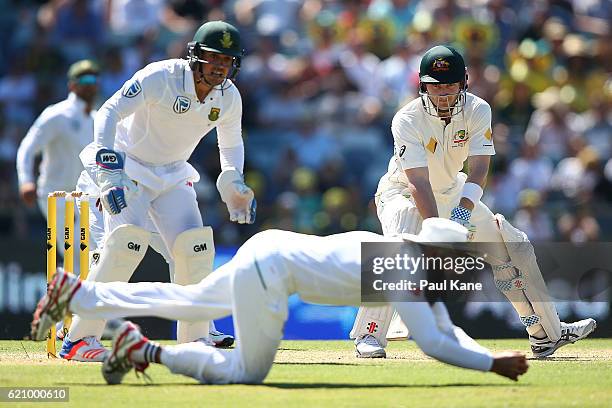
(300, 386)
(324, 363)
(564, 358)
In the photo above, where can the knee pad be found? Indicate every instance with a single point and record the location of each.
(194, 254)
(193, 257)
(123, 250)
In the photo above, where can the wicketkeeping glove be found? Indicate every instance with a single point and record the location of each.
(461, 215)
(238, 197)
(114, 184)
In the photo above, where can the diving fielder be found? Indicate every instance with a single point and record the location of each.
(254, 287)
(433, 137)
(143, 136)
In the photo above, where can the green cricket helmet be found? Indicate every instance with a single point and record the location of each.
(219, 37)
(442, 64)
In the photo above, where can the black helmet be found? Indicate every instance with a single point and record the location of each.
(219, 37)
(442, 64)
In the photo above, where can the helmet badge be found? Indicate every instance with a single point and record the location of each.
(440, 64)
(226, 40)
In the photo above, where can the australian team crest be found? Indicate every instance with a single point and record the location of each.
(440, 64)
(132, 90)
(460, 138)
(214, 114)
(182, 104)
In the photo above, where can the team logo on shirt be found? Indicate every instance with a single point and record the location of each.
(460, 138)
(214, 114)
(440, 64)
(132, 89)
(181, 104)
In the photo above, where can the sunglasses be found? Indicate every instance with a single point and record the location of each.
(87, 79)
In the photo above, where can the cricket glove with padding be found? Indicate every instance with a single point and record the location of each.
(114, 184)
(461, 215)
(238, 197)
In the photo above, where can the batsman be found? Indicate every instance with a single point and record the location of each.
(143, 136)
(434, 135)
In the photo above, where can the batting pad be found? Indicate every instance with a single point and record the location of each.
(194, 254)
(529, 279)
(373, 320)
(123, 250)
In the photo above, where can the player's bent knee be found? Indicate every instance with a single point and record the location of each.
(123, 250)
(194, 253)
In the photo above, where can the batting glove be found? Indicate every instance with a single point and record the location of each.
(238, 197)
(461, 215)
(114, 184)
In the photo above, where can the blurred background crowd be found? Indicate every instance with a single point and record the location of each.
(321, 81)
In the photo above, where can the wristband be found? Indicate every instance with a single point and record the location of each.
(472, 192)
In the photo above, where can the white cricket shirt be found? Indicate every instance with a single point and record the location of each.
(423, 140)
(60, 132)
(157, 119)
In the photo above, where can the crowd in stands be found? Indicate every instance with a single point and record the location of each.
(321, 81)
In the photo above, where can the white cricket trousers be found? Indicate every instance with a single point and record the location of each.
(254, 286)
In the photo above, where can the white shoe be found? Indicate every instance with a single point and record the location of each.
(570, 333)
(367, 346)
(221, 340)
(119, 362)
(88, 350)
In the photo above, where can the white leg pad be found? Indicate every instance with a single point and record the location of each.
(374, 320)
(397, 328)
(527, 279)
(194, 254)
(123, 250)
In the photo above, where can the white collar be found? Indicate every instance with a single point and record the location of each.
(76, 101)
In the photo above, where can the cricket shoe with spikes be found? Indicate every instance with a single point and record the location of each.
(570, 333)
(119, 361)
(54, 305)
(88, 350)
(367, 346)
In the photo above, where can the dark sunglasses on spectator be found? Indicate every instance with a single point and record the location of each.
(87, 79)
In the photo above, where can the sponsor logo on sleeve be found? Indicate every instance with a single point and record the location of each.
(402, 150)
(132, 89)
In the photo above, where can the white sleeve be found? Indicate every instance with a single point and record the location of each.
(232, 157)
(481, 137)
(142, 88)
(42, 132)
(421, 323)
(408, 147)
(229, 130)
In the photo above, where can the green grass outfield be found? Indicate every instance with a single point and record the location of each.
(325, 373)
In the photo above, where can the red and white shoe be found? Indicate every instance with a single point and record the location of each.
(120, 362)
(54, 305)
(87, 349)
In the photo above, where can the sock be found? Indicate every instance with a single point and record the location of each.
(150, 352)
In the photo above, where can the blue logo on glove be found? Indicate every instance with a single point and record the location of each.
(109, 159)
